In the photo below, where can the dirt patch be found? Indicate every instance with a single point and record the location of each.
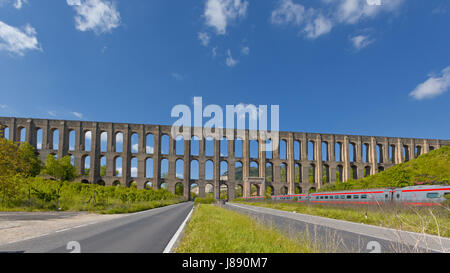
(15, 227)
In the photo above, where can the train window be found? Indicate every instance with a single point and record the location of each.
(433, 195)
(386, 196)
(363, 196)
(398, 196)
(355, 196)
(321, 197)
(326, 197)
(342, 197)
(349, 197)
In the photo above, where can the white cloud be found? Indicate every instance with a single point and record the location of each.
(214, 51)
(204, 38)
(3, 106)
(18, 41)
(288, 12)
(219, 13)
(361, 41)
(230, 61)
(19, 3)
(177, 76)
(78, 115)
(245, 50)
(315, 22)
(97, 15)
(433, 87)
(318, 26)
(52, 113)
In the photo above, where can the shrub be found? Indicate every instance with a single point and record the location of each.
(206, 200)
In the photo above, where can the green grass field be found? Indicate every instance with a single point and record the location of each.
(430, 220)
(216, 230)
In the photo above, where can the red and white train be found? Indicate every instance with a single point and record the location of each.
(428, 195)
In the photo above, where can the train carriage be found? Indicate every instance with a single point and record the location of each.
(426, 195)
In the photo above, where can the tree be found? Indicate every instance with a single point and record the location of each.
(60, 169)
(17, 161)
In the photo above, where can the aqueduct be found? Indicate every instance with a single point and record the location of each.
(147, 155)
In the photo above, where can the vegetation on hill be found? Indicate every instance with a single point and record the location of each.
(431, 167)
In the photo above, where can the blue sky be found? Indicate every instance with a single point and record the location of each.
(333, 66)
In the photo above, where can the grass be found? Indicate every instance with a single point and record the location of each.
(39, 194)
(216, 230)
(429, 220)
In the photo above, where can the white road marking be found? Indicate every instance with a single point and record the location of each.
(171, 243)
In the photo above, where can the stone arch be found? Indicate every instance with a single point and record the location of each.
(103, 165)
(72, 137)
(101, 183)
(283, 172)
(87, 140)
(195, 146)
(134, 143)
(224, 170)
(116, 183)
(339, 173)
(298, 190)
(119, 142)
(224, 192)
(179, 145)
(165, 144)
(149, 168)
(270, 190)
(311, 150)
(367, 170)
(283, 149)
(118, 163)
(134, 168)
(149, 143)
(238, 191)
(104, 142)
(6, 132)
(132, 184)
(297, 173)
(254, 149)
(85, 165)
(179, 189)
(284, 190)
(39, 138)
(209, 190)
(297, 150)
(164, 168)
(354, 172)
(326, 173)
(254, 168)
(163, 185)
(238, 147)
(209, 146)
(269, 172)
(209, 170)
(338, 151)
(325, 152)
(224, 147)
(312, 173)
(179, 168)
(148, 185)
(22, 133)
(195, 170)
(238, 172)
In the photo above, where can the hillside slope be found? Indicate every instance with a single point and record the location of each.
(431, 167)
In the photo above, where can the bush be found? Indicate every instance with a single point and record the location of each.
(206, 200)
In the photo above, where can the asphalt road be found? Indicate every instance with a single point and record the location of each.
(343, 236)
(144, 232)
